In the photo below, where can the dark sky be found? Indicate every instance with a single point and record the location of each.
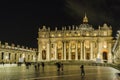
(20, 20)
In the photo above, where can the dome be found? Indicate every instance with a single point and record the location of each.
(86, 27)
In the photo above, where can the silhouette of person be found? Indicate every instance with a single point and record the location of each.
(82, 70)
(35, 65)
(38, 66)
(27, 65)
(62, 67)
(58, 66)
(43, 65)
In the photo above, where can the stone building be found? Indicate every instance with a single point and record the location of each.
(77, 42)
(14, 54)
(116, 49)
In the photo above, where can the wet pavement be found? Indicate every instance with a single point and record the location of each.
(70, 72)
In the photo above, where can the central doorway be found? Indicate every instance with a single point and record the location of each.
(105, 57)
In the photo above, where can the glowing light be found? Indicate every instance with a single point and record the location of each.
(78, 34)
(105, 46)
(6, 57)
(95, 34)
(67, 34)
(87, 34)
(52, 35)
(23, 55)
(43, 47)
(59, 35)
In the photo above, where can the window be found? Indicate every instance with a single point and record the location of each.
(105, 33)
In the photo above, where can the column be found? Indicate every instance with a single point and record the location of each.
(18, 56)
(39, 52)
(5, 57)
(81, 48)
(84, 51)
(62, 56)
(48, 51)
(69, 51)
(91, 50)
(99, 48)
(65, 50)
(56, 51)
(76, 54)
(109, 53)
(12, 57)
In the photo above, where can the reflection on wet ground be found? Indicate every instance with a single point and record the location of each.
(71, 72)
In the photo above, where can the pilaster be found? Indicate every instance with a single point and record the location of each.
(64, 50)
(81, 48)
(69, 51)
(76, 54)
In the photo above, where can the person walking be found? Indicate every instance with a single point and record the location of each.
(43, 65)
(38, 66)
(82, 70)
(62, 66)
(35, 65)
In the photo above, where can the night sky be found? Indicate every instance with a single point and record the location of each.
(20, 20)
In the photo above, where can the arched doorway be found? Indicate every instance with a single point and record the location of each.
(43, 54)
(105, 58)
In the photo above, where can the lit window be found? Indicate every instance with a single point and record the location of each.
(105, 33)
(87, 34)
(43, 47)
(78, 34)
(67, 34)
(87, 44)
(95, 34)
(104, 44)
(59, 35)
(52, 35)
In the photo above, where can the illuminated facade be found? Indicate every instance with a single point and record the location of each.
(82, 42)
(116, 49)
(14, 54)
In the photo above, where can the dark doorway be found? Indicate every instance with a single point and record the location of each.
(105, 56)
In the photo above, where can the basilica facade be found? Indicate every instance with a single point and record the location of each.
(77, 42)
